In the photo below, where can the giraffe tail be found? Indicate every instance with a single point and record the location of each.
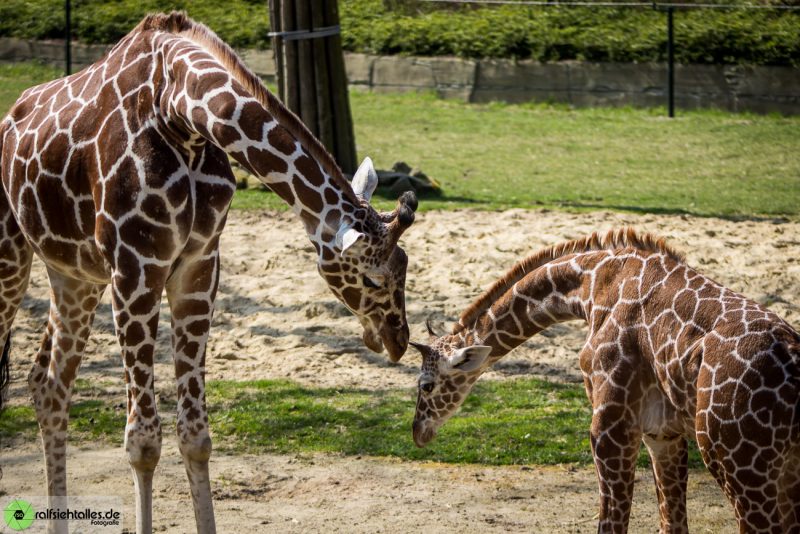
(5, 375)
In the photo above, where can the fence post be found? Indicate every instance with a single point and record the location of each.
(670, 62)
(68, 37)
(277, 45)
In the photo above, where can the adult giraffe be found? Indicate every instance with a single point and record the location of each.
(670, 355)
(119, 175)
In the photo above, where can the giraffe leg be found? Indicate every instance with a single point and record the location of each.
(755, 503)
(615, 447)
(748, 439)
(136, 298)
(16, 257)
(72, 306)
(670, 468)
(191, 290)
(611, 384)
(748, 470)
(789, 497)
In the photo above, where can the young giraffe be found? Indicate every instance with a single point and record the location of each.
(119, 175)
(671, 355)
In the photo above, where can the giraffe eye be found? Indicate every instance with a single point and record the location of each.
(370, 283)
(427, 387)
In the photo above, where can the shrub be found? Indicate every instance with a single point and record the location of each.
(413, 27)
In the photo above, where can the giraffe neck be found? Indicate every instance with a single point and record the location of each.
(259, 133)
(548, 295)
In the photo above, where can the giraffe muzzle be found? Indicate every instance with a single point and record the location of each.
(422, 433)
(396, 341)
(372, 341)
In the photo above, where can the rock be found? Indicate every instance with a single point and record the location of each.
(401, 167)
(404, 178)
(242, 177)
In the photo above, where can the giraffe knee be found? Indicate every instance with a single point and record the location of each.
(143, 446)
(144, 457)
(196, 448)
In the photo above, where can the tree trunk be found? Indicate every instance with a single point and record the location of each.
(311, 76)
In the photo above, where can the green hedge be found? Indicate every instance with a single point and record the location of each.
(241, 23)
(550, 34)
(412, 27)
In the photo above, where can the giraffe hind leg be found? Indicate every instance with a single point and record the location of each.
(72, 307)
(5, 374)
(52, 377)
(789, 496)
(15, 268)
(670, 470)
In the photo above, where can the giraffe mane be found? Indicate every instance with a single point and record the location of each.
(614, 239)
(179, 23)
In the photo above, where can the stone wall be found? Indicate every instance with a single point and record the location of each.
(733, 87)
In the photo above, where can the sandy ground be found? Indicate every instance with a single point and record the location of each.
(276, 319)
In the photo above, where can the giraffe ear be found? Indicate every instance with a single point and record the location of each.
(365, 180)
(469, 358)
(346, 237)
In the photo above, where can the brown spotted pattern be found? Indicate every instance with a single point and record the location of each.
(119, 175)
(671, 356)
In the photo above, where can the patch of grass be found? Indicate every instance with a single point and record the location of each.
(89, 420)
(498, 156)
(521, 422)
(19, 421)
(527, 421)
(15, 78)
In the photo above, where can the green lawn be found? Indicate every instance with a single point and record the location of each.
(498, 156)
(705, 163)
(526, 421)
(15, 78)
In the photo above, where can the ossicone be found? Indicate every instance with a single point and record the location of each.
(403, 215)
(421, 347)
(429, 326)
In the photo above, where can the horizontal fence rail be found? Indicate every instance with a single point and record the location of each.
(653, 5)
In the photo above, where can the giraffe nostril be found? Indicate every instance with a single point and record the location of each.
(393, 320)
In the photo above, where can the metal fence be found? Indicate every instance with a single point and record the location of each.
(668, 8)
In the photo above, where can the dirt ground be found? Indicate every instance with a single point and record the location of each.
(276, 319)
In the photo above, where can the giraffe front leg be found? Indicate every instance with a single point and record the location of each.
(670, 459)
(191, 290)
(136, 299)
(72, 305)
(615, 447)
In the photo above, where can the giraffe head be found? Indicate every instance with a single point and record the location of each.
(450, 367)
(366, 269)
